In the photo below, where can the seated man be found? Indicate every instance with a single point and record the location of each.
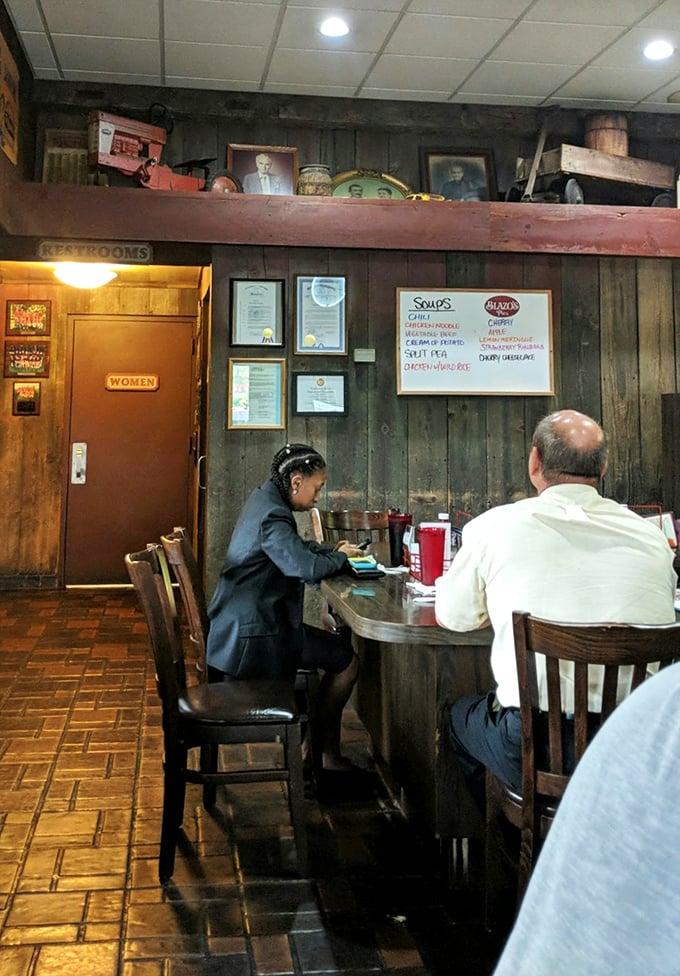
(568, 555)
(604, 897)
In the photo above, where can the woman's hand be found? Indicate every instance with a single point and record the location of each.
(349, 549)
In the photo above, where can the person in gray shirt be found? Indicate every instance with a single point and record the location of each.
(604, 898)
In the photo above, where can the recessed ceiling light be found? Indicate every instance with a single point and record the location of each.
(334, 27)
(658, 50)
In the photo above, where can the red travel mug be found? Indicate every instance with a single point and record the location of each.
(431, 539)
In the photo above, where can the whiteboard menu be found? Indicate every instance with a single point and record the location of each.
(453, 341)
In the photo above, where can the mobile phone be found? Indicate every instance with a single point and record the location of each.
(365, 544)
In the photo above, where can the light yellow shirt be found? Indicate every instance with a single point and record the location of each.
(568, 555)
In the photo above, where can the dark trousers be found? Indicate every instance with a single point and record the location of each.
(483, 734)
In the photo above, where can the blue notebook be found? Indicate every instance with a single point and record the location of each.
(364, 567)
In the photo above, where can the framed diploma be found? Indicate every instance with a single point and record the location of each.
(256, 394)
(320, 326)
(320, 394)
(256, 313)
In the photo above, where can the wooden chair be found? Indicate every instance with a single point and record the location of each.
(207, 715)
(555, 730)
(352, 524)
(180, 556)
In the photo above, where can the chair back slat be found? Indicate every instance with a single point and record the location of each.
(354, 525)
(180, 555)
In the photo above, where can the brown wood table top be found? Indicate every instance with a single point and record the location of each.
(385, 610)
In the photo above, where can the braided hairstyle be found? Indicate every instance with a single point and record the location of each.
(294, 459)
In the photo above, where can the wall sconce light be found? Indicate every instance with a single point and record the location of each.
(84, 275)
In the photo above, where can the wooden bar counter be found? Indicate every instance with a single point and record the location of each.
(410, 667)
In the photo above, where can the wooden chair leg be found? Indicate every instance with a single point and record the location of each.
(208, 760)
(173, 805)
(293, 758)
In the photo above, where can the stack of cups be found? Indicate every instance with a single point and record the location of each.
(397, 524)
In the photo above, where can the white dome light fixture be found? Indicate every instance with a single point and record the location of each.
(83, 275)
(658, 50)
(334, 27)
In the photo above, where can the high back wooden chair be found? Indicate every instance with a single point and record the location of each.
(557, 724)
(352, 524)
(204, 716)
(180, 556)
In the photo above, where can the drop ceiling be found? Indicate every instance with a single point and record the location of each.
(579, 54)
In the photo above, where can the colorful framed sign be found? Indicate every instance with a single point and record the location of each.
(28, 318)
(27, 359)
(25, 398)
(257, 394)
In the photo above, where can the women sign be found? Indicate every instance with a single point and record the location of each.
(452, 341)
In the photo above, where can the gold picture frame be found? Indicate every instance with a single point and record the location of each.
(257, 394)
(369, 184)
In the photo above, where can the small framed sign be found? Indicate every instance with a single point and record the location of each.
(320, 325)
(256, 313)
(256, 396)
(28, 318)
(27, 359)
(320, 394)
(25, 399)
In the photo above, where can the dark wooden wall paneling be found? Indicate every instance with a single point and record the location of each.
(614, 328)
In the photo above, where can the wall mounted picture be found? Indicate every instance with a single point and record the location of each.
(320, 327)
(256, 313)
(320, 394)
(264, 169)
(28, 318)
(257, 394)
(25, 399)
(459, 174)
(27, 359)
(367, 184)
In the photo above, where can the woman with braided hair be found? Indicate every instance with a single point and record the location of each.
(256, 627)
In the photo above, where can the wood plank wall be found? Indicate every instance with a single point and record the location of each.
(34, 450)
(615, 332)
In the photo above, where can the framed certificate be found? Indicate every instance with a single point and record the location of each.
(256, 394)
(320, 394)
(320, 327)
(256, 313)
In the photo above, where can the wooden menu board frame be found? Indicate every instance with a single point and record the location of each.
(453, 341)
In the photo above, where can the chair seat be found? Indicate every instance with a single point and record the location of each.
(240, 702)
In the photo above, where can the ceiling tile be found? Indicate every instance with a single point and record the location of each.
(104, 54)
(422, 74)
(214, 61)
(336, 69)
(101, 18)
(615, 13)
(220, 23)
(497, 77)
(554, 43)
(446, 37)
(620, 84)
(38, 50)
(25, 15)
(628, 51)
(368, 29)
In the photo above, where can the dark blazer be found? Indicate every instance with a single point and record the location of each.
(256, 610)
(252, 184)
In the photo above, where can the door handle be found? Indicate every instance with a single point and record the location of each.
(78, 463)
(199, 470)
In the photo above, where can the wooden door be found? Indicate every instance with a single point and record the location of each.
(131, 408)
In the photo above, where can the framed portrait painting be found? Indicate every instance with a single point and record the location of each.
(367, 184)
(267, 170)
(459, 174)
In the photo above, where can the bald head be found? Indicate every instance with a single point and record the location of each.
(567, 446)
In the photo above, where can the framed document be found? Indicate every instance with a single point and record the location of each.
(320, 326)
(256, 394)
(320, 394)
(256, 313)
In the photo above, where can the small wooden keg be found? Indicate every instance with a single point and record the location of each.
(607, 132)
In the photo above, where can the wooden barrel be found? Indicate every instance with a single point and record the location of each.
(607, 132)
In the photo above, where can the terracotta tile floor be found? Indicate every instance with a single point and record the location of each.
(80, 800)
